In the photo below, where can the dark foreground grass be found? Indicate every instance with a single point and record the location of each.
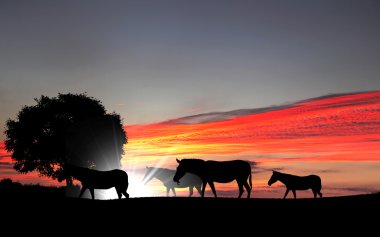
(37, 204)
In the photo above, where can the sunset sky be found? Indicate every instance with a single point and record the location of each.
(168, 66)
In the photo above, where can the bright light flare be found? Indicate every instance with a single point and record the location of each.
(137, 188)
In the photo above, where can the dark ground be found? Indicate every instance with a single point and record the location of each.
(36, 205)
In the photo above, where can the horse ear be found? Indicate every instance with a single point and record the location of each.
(178, 161)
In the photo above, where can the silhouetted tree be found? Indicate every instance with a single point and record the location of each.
(69, 128)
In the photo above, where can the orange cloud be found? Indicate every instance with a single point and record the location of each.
(7, 171)
(323, 131)
(337, 132)
(330, 128)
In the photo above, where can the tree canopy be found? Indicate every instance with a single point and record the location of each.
(69, 128)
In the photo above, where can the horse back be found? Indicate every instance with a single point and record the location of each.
(315, 179)
(305, 182)
(223, 166)
(105, 179)
(226, 171)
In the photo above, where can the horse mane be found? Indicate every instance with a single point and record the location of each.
(161, 169)
(77, 167)
(286, 174)
(156, 172)
(78, 171)
(195, 163)
(195, 160)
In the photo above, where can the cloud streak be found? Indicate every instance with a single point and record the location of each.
(336, 127)
(220, 116)
(326, 130)
(322, 132)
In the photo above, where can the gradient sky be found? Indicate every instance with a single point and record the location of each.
(152, 61)
(336, 137)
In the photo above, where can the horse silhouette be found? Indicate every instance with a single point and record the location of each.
(166, 177)
(94, 179)
(214, 171)
(293, 182)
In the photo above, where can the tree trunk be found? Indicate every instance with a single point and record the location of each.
(69, 182)
(71, 190)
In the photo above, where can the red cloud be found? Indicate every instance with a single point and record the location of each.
(341, 127)
(320, 131)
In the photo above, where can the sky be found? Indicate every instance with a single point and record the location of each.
(336, 137)
(154, 61)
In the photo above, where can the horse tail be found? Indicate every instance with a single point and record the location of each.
(250, 180)
(319, 182)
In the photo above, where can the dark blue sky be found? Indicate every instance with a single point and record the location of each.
(155, 60)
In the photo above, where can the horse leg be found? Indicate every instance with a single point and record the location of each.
(125, 193)
(241, 190)
(248, 188)
(286, 193)
(191, 191)
(199, 189)
(212, 188)
(294, 193)
(92, 193)
(167, 191)
(124, 190)
(82, 191)
(320, 194)
(203, 188)
(175, 195)
(315, 193)
(118, 192)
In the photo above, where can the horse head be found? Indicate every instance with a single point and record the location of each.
(70, 171)
(273, 178)
(181, 171)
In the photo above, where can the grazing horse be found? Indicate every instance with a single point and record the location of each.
(94, 179)
(214, 171)
(166, 177)
(293, 182)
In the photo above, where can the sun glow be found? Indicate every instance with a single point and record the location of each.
(334, 136)
(316, 135)
(137, 188)
(324, 129)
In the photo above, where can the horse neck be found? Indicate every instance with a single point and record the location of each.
(163, 175)
(196, 168)
(78, 173)
(284, 178)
